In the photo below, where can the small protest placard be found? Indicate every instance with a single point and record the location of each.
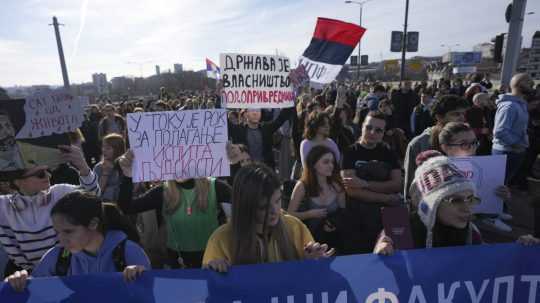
(51, 113)
(31, 130)
(487, 173)
(178, 144)
(256, 81)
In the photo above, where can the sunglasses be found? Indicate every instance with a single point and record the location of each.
(455, 201)
(466, 145)
(377, 130)
(41, 174)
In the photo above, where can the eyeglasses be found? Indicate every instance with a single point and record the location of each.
(377, 130)
(41, 174)
(455, 201)
(466, 145)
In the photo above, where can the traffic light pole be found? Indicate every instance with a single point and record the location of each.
(404, 43)
(513, 42)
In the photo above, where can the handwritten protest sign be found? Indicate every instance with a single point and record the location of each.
(487, 173)
(51, 113)
(176, 145)
(256, 81)
(31, 130)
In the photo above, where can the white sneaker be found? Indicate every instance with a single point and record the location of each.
(498, 224)
(505, 216)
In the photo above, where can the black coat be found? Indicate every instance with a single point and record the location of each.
(238, 134)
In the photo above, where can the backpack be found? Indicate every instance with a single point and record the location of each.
(118, 255)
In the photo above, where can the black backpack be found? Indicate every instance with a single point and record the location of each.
(118, 255)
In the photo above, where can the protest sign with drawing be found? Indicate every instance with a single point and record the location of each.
(178, 144)
(487, 173)
(256, 81)
(32, 129)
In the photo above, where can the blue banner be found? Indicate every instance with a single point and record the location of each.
(486, 273)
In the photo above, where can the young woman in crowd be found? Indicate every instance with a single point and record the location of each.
(458, 139)
(190, 208)
(443, 211)
(259, 232)
(319, 196)
(107, 170)
(111, 122)
(94, 238)
(26, 230)
(317, 132)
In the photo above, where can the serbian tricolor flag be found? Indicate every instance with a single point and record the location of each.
(212, 70)
(332, 43)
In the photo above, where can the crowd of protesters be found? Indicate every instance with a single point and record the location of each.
(306, 182)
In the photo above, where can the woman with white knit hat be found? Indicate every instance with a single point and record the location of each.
(444, 211)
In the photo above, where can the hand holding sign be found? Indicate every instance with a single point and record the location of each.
(126, 163)
(74, 155)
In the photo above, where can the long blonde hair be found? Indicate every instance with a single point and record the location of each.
(172, 195)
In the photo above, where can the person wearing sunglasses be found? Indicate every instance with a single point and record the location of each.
(372, 178)
(26, 230)
(458, 139)
(443, 213)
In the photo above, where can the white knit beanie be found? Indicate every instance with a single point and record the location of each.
(436, 179)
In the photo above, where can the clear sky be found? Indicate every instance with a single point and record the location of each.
(105, 35)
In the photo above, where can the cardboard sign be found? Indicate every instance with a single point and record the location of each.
(52, 113)
(487, 173)
(178, 144)
(31, 130)
(256, 81)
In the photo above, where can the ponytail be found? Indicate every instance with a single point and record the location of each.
(113, 219)
(80, 208)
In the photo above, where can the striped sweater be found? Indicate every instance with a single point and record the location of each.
(26, 231)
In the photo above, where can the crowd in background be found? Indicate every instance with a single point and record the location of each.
(306, 182)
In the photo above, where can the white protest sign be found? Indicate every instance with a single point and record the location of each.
(50, 113)
(487, 173)
(256, 81)
(178, 144)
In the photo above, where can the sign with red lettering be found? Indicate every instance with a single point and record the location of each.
(487, 173)
(178, 144)
(256, 81)
(51, 113)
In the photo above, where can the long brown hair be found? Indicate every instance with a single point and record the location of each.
(172, 195)
(117, 142)
(253, 187)
(309, 174)
(313, 122)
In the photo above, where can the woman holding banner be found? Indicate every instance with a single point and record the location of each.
(444, 211)
(259, 232)
(26, 230)
(190, 208)
(94, 238)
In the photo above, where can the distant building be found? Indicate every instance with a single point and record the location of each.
(100, 82)
(487, 49)
(178, 68)
(157, 70)
(121, 85)
(533, 67)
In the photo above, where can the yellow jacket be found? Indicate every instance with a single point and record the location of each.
(220, 244)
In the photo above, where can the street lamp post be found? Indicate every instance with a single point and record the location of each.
(361, 4)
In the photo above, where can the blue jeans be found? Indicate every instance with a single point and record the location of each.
(513, 163)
